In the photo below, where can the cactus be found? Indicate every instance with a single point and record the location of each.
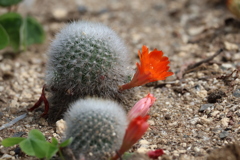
(97, 127)
(85, 59)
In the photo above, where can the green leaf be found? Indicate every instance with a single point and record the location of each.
(36, 134)
(51, 151)
(4, 39)
(31, 32)
(12, 141)
(66, 142)
(12, 22)
(6, 3)
(54, 141)
(34, 147)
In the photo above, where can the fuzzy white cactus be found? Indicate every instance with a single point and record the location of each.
(97, 127)
(85, 59)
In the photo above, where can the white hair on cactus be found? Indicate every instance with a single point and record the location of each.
(97, 127)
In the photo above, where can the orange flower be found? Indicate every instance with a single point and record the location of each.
(153, 67)
(136, 129)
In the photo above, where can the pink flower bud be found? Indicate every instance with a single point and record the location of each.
(142, 107)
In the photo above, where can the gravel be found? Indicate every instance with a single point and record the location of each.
(195, 112)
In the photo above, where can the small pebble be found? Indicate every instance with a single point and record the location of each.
(230, 46)
(184, 145)
(59, 13)
(142, 150)
(151, 122)
(167, 117)
(223, 134)
(214, 113)
(196, 149)
(60, 126)
(82, 9)
(205, 106)
(7, 157)
(18, 134)
(225, 122)
(12, 153)
(236, 93)
(143, 142)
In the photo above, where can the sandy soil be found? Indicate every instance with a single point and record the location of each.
(197, 109)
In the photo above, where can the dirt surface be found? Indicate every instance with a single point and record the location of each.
(197, 109)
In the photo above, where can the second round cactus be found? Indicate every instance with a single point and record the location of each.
(97, 127)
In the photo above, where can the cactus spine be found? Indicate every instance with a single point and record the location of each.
(97, 127)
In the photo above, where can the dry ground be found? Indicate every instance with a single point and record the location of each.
(197, 109)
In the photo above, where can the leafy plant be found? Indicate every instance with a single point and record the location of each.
(17, 31)
(6, 3)
(4, 40)
(36, 144)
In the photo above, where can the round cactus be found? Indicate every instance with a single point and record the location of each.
(86, 59)
(97, 127)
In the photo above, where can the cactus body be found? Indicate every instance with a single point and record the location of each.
(97, 127)
(85, 59)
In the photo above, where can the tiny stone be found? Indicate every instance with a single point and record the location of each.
(173, 124)
(60, 126)
(59, 13)
(194, 120)
(184, 145)
(230, 46)
(205, 106)
(151, 122)
(142, 150)
(202, 93)
(214, 113)
(226, 66)
(143, 142)
(196, 149)
(223, 134)
(236, 93)
(7, 156)
(206, 120)
(18, 134)
(225, 122)
(12, 153)
(82, 9)
(167, 117)
(14, 104)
